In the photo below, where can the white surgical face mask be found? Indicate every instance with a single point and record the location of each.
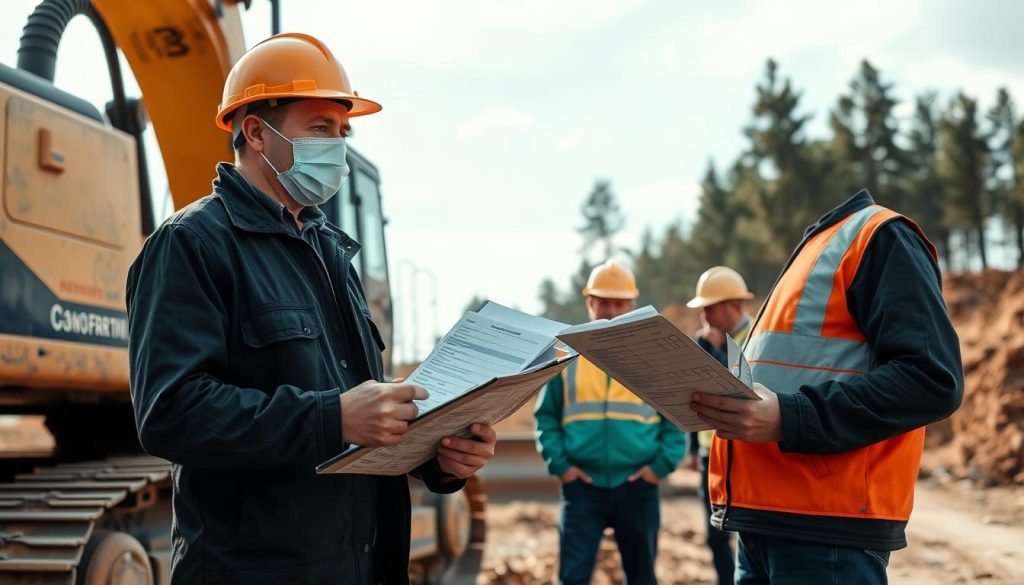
(319, 167)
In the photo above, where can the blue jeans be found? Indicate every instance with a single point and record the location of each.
(718, 540)
(768, 560)
(631, 509)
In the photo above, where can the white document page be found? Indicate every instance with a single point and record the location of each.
(533, 323)
(640, 314)
(476, 350)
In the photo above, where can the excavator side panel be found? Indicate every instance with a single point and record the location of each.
(69, 229)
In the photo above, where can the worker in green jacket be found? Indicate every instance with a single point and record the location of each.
(609, 450)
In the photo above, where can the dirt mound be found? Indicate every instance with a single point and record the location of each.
(984, 440)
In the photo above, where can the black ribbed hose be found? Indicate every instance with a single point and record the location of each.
(40, 38)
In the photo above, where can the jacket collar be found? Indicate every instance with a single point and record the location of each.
(852, 205)
(252, 210)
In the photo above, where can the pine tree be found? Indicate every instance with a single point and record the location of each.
(865, 130)
(925, 192)
(602, 219)
(962, 162)
(716, 220)
(789, 195)
(678, 265)
(550, 299)
(650, 278)
(1007, 144)
(757, 252)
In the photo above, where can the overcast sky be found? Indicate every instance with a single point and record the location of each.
(499, 116)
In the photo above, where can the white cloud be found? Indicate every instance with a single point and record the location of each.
(503, 117)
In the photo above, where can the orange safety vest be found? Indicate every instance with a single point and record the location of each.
(805, 335)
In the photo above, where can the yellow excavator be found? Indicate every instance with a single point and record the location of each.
(76, 207)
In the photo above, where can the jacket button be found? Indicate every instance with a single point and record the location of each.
(344, 364)
(305, 330)
(366, 548)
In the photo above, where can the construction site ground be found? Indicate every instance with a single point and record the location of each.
(959, 534)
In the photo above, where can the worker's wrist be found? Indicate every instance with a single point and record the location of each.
(442, 475)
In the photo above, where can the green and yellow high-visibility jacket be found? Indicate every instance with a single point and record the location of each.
(586, 419)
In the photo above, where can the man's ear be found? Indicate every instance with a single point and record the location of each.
(253, 131)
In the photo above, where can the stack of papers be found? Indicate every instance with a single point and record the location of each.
(492, 342)
(495, 359)
(483, 370)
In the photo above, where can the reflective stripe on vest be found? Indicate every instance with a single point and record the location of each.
(591, 395)
(805, 335)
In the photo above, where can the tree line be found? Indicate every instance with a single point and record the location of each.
(952, 165)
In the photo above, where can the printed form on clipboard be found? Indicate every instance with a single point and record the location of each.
(483, 370)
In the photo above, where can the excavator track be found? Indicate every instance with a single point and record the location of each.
(47, 516)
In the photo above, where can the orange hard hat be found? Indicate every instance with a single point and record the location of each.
(719, 284)
(611, 280)
(288, 65)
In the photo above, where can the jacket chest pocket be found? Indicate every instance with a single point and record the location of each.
(283, 347)
(279, 323)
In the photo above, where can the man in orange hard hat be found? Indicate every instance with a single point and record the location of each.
(721, 292)
(254, 358)
(609, 450)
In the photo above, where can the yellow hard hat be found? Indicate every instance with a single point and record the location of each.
(611, 280)
(289, 65)
(718, 284)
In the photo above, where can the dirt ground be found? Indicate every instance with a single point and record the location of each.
(958, 534)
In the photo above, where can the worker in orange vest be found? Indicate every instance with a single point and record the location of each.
(720, 295)
(852, 354)
(609, 450)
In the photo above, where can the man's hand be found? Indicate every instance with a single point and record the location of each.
(716, 337)
(645, 474)
(573, 474)
(376, 414)
(464, 457)
(754, 421)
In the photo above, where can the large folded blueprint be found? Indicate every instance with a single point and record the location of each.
(651, 357)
